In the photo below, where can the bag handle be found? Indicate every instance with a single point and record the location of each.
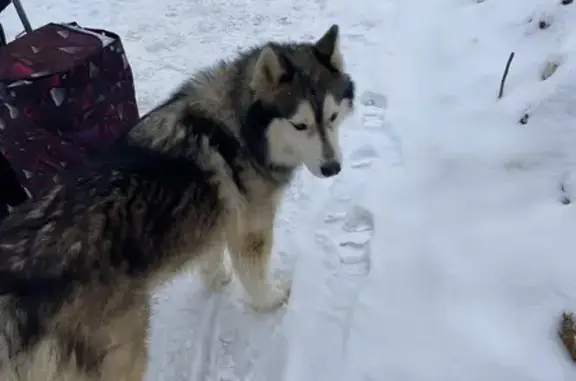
(4, 4)
(22, 15)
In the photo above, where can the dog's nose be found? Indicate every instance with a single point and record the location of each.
(330, 169)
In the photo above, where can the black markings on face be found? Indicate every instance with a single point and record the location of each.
(317, 103)
(316, 99)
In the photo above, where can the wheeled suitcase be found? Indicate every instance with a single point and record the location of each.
(66, 92)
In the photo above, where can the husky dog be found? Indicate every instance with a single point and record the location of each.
(202, 172)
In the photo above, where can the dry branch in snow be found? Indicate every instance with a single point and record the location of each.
(503, 81)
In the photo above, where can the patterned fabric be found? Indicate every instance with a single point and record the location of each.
(66, 92)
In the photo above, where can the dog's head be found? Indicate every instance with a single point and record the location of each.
(305, 87)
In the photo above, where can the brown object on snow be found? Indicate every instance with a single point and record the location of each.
(568, 333)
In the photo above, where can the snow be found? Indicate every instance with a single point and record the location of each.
(444, 250)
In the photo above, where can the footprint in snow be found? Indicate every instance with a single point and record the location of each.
(373, 99)
(374, 105)
(354, 241)
(351, 241)
(363, 157)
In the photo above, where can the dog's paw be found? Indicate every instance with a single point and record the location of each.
(276, 296)
(218, 279)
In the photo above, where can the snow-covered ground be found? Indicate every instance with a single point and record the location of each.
(446, 249)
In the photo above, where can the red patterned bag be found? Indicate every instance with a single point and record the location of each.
(66, 92)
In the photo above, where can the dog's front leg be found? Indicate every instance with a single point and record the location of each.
(250, 249)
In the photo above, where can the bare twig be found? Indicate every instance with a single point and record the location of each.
(503, 81)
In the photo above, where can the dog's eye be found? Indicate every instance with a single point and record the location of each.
(333, 117)
(300, 126)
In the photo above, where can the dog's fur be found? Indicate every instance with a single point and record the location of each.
(200, 173)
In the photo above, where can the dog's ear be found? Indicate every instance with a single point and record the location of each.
(271, 69)
(328, 49)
